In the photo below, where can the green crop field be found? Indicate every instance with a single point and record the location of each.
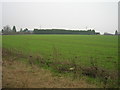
(103, 49)
(90, 55)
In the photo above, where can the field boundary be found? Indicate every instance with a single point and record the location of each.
(108, 78)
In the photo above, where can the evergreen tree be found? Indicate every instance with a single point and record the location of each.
(25, 30)
(21, 30)
(2, 31)
(116, 33)
(14, 29)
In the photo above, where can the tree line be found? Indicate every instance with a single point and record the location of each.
(63, 31)
(8, 31)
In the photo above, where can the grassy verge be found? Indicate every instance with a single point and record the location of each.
(19, 73)
(93, 74)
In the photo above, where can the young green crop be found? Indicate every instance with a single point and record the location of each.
(80, 48)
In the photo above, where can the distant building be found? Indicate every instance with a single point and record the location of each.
(97, 33)
(108, 33)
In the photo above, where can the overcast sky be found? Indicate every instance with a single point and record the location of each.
(101, 16)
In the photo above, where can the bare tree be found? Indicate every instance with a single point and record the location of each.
(6, 29)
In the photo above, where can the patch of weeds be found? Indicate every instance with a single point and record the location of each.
(100, 74)
(112, 83)
(96, 81)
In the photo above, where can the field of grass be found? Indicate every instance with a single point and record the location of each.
(80, 49)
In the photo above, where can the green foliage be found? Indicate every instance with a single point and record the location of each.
(2, 31)
(14, 29)
(25, 30)
(63, 31)
(116, 33)
(8, 31)
(21, 30)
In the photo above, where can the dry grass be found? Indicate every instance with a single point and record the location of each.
(17, 74)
